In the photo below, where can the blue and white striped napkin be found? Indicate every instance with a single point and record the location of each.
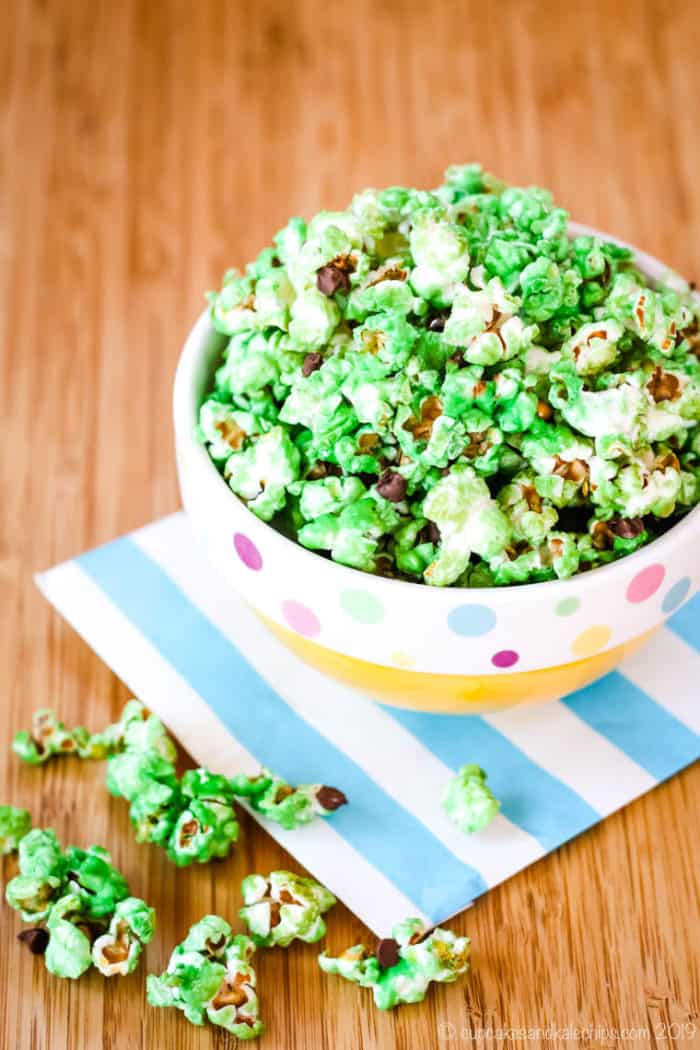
(155, 610)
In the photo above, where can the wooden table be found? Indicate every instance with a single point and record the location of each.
(146, 146)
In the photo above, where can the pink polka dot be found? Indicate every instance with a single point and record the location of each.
(646, 583)
(301, 618)
(505, 658)
(247, 552)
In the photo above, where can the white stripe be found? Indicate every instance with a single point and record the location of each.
(391, 756)
(567, 748)
(328, 856)
(668, 670)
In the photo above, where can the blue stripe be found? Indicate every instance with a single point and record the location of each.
(631, 720)
(686, 622)
(530, 797)
(388, 836)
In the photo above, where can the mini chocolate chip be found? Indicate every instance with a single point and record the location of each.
(627, 528)
(693, 285)
(36, 939)
(312, 363)
(366, 478)
(430, 533)
(437, 324)
(458, 358)
(329, 279)
(330, 798)
(387, 952)
(392, 486)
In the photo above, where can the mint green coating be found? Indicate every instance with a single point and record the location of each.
(468, 801)
(454, 331)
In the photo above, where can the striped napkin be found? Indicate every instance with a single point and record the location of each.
(155, 610)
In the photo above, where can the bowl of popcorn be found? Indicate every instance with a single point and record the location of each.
(447, 444)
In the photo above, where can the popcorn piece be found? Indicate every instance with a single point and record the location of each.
(209, 977)
(48, 737)
(291, 807)
(404, 965)
(68, 953)
(41, 872)
(118, 951)
(91, 879)
(467, 800)
(284, 907)
(207, 827)
(14, 825)
(469, 520)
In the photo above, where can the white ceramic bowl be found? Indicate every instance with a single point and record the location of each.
(440, 649)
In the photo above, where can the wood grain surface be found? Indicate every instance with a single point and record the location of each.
(145, 146)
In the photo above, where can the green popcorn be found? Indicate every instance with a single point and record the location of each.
(468, 801)
(531, 517)
(403, 965)
(235, 1006)
(274, 297)
(328, 495)
(440, 252)
(41, 875)
(118, 951)
(233, 308)
(313, 318)
(486, 323)
(14, 825)
(209, 977)
(261, 473)
(387, 337)
(48, 737)
(542, 289)
(291, 807)
(207, 827)
(33, 895)
(594, 346)
(154, 811)
(91, 879)
(469, 520)
(654, 316)
(68, 953)
(284, 907)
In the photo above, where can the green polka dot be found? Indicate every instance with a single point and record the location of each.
(567, 606)
(362, 606)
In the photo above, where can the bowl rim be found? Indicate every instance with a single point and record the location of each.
(185, 412)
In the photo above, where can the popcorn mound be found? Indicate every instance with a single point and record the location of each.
(444, 387)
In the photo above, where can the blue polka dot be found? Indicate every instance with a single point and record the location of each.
(676, 595)
(471, 621)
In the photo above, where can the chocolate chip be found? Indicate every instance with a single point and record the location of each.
(329, 279)
(312, 363)
(330, 798)
(392, 486)
(627, 528)
(366, 478)
(387, 952)
(458, 358)
(430, 533)
(437, 324)
(36, 939)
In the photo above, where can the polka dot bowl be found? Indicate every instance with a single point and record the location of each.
(450, 649)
